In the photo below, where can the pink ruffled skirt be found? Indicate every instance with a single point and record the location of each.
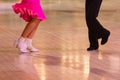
(29, 9)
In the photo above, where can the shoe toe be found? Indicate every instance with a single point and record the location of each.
(91, 48)
(33, 49)
(24, 50)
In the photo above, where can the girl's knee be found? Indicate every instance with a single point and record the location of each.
(36, 20)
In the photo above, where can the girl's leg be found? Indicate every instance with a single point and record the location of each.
(29, 32)
(25, 41)
(31, 28)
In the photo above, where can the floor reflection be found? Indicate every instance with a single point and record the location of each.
(63, 65)
(17, 67)
(101, 67)
(26, 65)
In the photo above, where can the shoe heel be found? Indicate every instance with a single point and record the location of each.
(15, 44)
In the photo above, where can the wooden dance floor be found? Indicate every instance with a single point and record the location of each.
(62, 41)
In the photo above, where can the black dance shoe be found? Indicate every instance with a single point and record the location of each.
(92, 48)
(105, 37)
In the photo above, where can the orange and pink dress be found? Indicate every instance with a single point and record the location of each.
(29, 9)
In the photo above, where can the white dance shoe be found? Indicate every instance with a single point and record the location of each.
(30, 47)
(21, 45)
